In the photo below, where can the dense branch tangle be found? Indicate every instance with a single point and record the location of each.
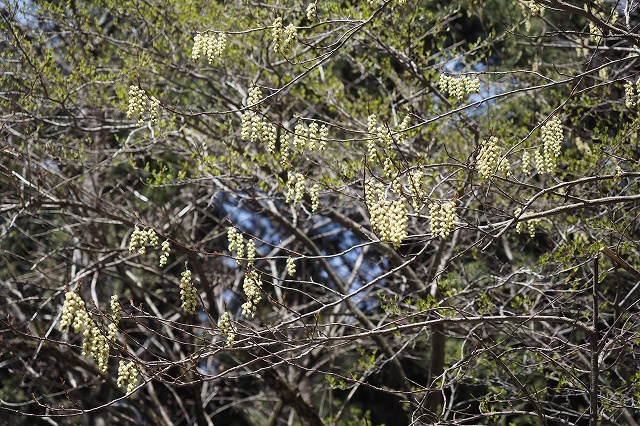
(303, 209)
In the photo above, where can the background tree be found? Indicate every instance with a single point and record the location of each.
(328, 213)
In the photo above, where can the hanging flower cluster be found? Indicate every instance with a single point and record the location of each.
(313, 193)
(312, 11)
(251, 253)
(459, 87)
(96, 344)
(291, 266)
(141, 238)
(154, 110)
(210, 46)
(418, 188)
(137, 104)
(74, 313)
(552, 138)
(526, 163)
(295, 188)
(442, 217)
(251, 287)
(283, 38)
(388, 217)
(630, 91)
(285, 140)
(526, 225)
(488, 157)
(235, 242)
(226, 329)
(127, 375)
(381, 137)
(187, 292)
(166, 250)
(401, 135)
(115, 309)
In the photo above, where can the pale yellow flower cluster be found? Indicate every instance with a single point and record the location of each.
(74, 313)
(166, 250)
(488, 157)
(630, 93)
(459, 87)
(141, 238)
(251, 287)
(526, 225)
(295, 188)
(389, 218)
(235, 242)
(137, 104)
(315, 200)
(552, 138)
(226, 329)
(95, 342)
(418, 188)
(208, 45)
(187, 292)
(127, 375)
(251, 253)
(291, 266)
(283, 38)
(312, 10)
(442, 216)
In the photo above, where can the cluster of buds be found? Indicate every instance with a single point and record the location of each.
(283, 38)
(251, 253)
(115, 309)
(488, 157)
(313, 194)
(312, 10)
(209, 45)
(532, 7)
(127, 375)
(141, 238)
(154, 110)
(255, 97)
(166, 249)
(291, 266)
(96, 344)
(630, 90)
(528, 226)
(442, 217)
(384, 137)
(300, 137)
(372, 139)
(251, 287)
(295, 188)
(269, 136)
(552, 138)
(459, 87)
(235, 242)
(226, 329)
(74, 313)
(389, 218)
(285, 139)
(137, 104)
(418, 188)
(401, 134)
(526, 163)
(245, 130)
(187, 292)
